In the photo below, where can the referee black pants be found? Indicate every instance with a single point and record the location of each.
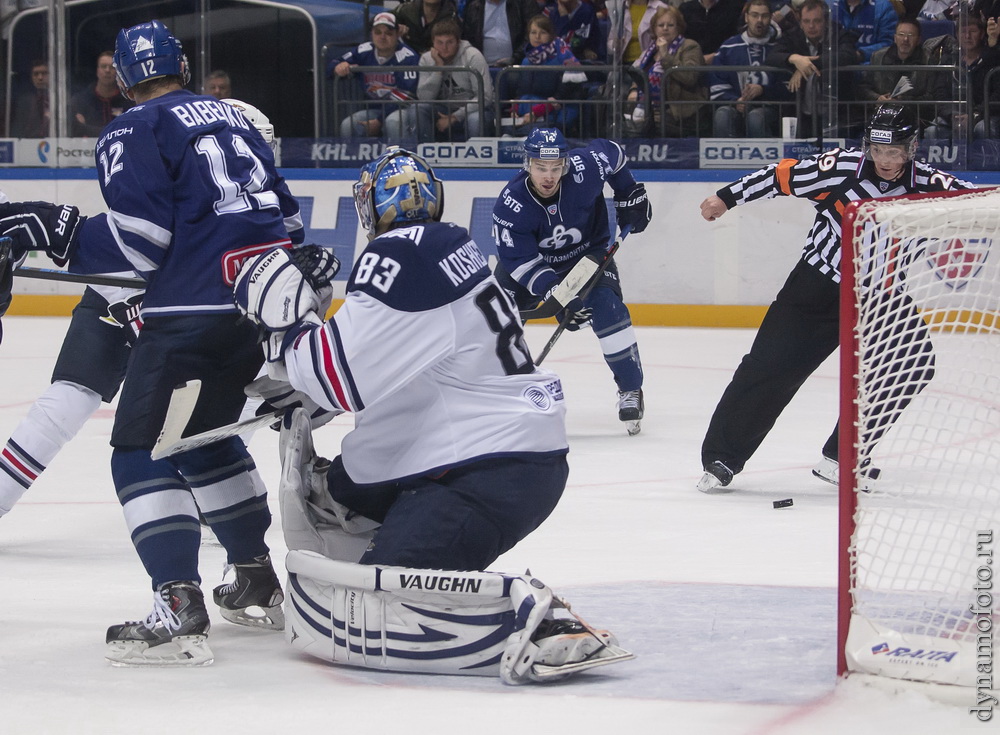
(799, 331)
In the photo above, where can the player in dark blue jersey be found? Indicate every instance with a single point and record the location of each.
(550, 216)
(192, 191)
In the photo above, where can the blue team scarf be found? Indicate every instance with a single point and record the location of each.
(554, 52)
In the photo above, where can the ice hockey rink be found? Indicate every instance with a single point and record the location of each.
(728, 604)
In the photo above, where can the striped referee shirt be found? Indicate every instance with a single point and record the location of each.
(831, 181)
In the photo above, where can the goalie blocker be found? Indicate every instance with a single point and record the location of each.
(437, 622)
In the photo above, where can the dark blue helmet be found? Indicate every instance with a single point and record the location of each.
(397, 187)
(546, 144)
(148, 51)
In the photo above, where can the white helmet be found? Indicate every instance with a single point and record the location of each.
(256, 118)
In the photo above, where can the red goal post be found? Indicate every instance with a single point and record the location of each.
(920, 431)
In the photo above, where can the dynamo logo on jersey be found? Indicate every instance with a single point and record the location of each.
(957, 261)
(537, 398)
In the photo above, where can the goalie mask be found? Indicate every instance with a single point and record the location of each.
(148, 51)
(892, 133)
(397, 188)
(256, 118)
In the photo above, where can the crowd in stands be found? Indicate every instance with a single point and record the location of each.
(693, 68)
(678, 68)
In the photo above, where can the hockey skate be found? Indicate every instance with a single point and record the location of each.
(254, 598)
(716, 477)
(828, 470)
(567, 646)
(630, 409)
(174, 634)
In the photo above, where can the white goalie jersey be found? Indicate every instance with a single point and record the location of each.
(429, 353)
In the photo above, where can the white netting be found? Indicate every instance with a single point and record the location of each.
(927, 395)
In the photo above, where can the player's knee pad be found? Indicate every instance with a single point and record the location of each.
(419, 620)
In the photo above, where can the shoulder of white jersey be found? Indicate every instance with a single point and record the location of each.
(419, 267)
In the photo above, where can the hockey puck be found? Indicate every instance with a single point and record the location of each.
(786, 503)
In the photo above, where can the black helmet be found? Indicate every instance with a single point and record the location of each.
(892, 124)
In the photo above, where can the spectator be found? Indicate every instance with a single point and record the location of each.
(218, 85)
(451, 116)
(748, 49)
(415, 18)
(498, 28)
(96, 106)
(905, 84)
(710, 22)
(575, 22)
(872, 21)
(637, 30)
(383, 87)
(31, 111)
(806, 51)
(545, 48)
(979, 56)
(669, 49)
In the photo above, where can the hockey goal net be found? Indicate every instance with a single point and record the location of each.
(920, 437)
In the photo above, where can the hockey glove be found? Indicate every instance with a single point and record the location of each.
(276, 292)
(633, 209)
(576, 315)
(125, 313)
(51, 228)
(279, 395)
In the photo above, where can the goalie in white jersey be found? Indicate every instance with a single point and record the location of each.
(458, 451)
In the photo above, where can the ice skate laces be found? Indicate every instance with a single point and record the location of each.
(162, 613)
(232, 586)
(628, 400)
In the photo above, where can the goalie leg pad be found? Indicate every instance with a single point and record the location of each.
(439, 622)
(398, 619)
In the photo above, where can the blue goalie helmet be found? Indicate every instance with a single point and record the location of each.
(148, 51)
(545, 144)
(397, 188)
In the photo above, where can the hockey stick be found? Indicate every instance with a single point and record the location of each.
(182, 402)
(50, 274)
(584, 293)
(566, 291)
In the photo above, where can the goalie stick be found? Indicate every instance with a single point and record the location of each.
(172, 441)
(594, 278)
(51, 274)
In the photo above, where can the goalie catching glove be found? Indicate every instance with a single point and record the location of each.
(50, 228)
(633, 209)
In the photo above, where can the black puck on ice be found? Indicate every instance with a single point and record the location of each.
(786, 503)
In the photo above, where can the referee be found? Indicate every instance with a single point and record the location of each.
(801, 327)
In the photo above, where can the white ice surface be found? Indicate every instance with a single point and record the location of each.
(728, 603)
